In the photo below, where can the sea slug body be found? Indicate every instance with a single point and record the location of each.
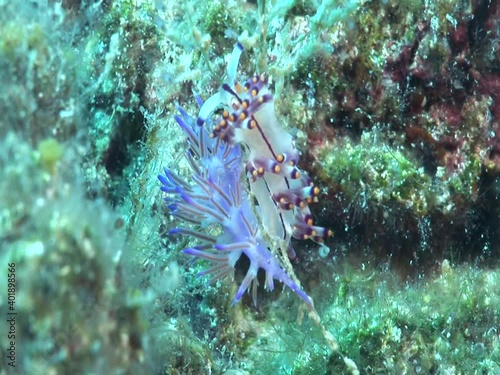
(245, 139)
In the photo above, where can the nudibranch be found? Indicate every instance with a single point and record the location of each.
(244, 140)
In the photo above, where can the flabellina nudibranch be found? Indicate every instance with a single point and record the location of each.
(245, 140)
